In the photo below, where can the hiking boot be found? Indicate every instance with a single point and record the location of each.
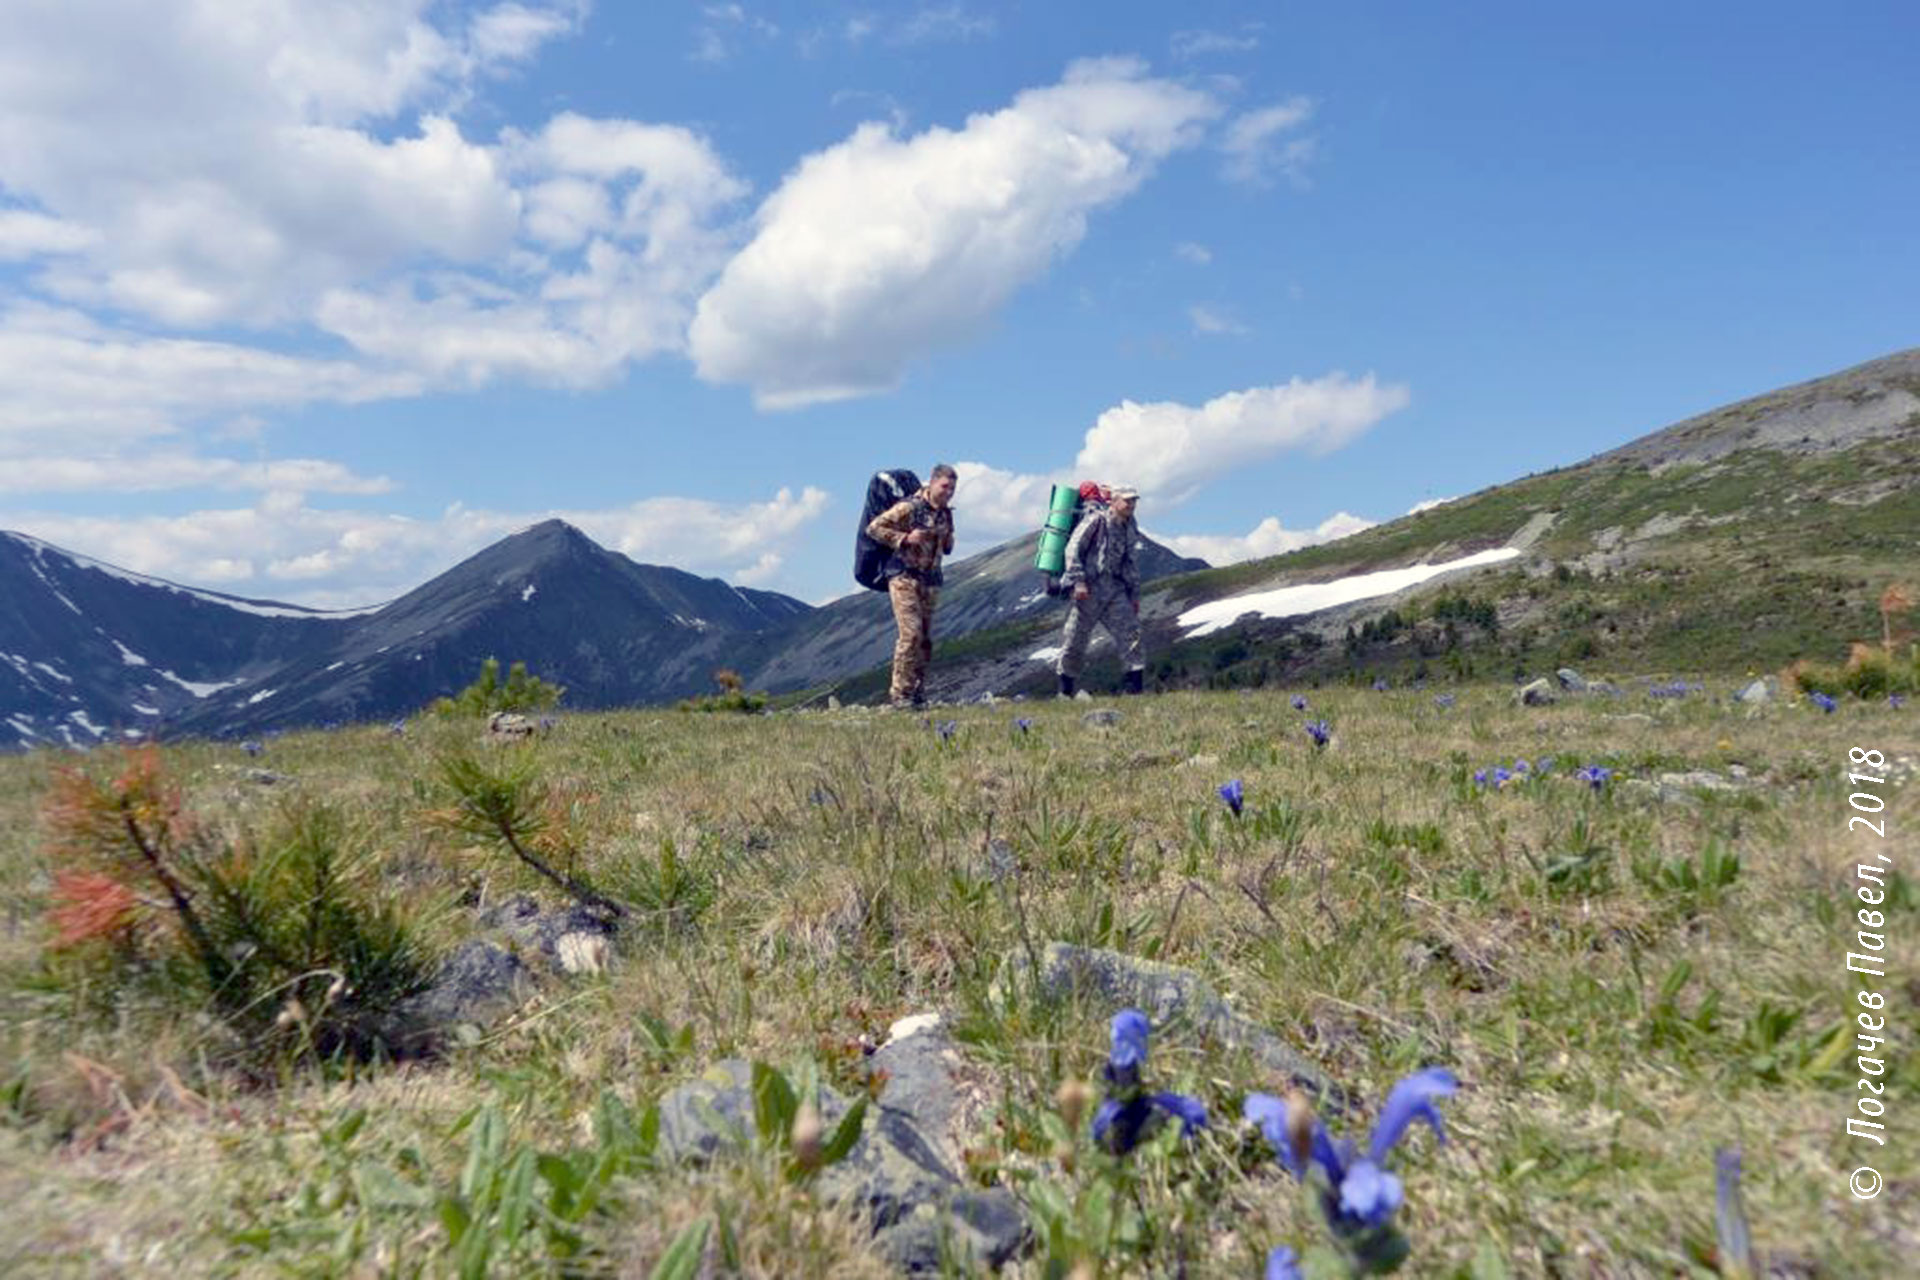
(1066, 686)
(1136, 681)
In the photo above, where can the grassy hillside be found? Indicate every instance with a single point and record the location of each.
(1618, 996)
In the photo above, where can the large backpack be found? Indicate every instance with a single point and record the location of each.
(1067, 507)
(883, 491)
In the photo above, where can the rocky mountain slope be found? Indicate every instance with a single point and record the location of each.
(89, 652)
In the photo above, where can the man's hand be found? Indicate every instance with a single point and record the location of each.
(1082, 591)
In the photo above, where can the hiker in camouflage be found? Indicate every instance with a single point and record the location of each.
(919, 531)
(1104, 577)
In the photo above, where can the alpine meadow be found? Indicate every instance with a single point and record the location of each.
(831, 641)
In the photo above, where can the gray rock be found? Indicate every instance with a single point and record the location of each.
(521, 919)
(1570, 680)
(267, 777)
(1760, 692)
(508, 726)
(1106, 716)
(1172, 998)
(478, 984)
(1537, 694)
(920, 1210)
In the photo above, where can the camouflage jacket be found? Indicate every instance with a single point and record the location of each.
(1102, 547)
(891, 527)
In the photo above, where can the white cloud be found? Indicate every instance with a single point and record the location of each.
(281, 548)
(1170, 451)
(1188, 251)
(1268, 538)
(1195, 44)
(1257, 150)
(136, 473)
(881, 249)
(1213, 320)
(1428, 505)
(67, 382)
(25, 234)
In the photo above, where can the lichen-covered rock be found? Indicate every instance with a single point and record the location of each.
(1538, 693)
(478, 984)
(1570, 680)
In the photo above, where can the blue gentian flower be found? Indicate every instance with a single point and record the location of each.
(1444, 701)
(1379, 684)
(1502, 776)
(252, 748)
(1521, 766)
(1128, 1114)
(1730, 1214)
(397, 728)
(1320, 731)
(1480, 777)
(547, 723)
(1361, 1194)
(1283, 1264)
(1129, 1052)
(1544, 767)
(1234, 794)
(1594, 775)
(1896, 701)
(1023, 724)
(1825, 702)
(946, 729)
(1299, 702)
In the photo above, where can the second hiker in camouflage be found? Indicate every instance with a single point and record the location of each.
(1104, 577)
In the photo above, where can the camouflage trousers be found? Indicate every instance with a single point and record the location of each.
(913, 614)
(1107, 606)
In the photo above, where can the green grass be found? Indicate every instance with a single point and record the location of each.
(1622, 985)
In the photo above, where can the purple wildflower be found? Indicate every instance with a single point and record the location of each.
(1896, 701)
(1320, 731)
(1825, 702)
(251, 747)
(1283, 1264)
(1379, 684)
(1299, 702)
(1361, 1194)
(1234, 794)
(1128, 1114)
(1444, 701)
(1023, 724)
(1594, 775)
(946, 729)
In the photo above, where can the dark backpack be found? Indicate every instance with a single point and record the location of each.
(883, 491)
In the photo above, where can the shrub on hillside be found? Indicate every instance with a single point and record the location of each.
(518, 692)
(732, 696)
(287, 937)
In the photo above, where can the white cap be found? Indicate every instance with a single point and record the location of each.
(1125, 491)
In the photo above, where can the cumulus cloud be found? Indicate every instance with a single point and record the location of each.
(1188, 251)
(1261, 145)
(1170, 451)
(882, 249)
(136, 473)
(282, 548)
(67, 381)
(303, 173)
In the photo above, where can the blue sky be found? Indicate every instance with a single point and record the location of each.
(311, 305)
